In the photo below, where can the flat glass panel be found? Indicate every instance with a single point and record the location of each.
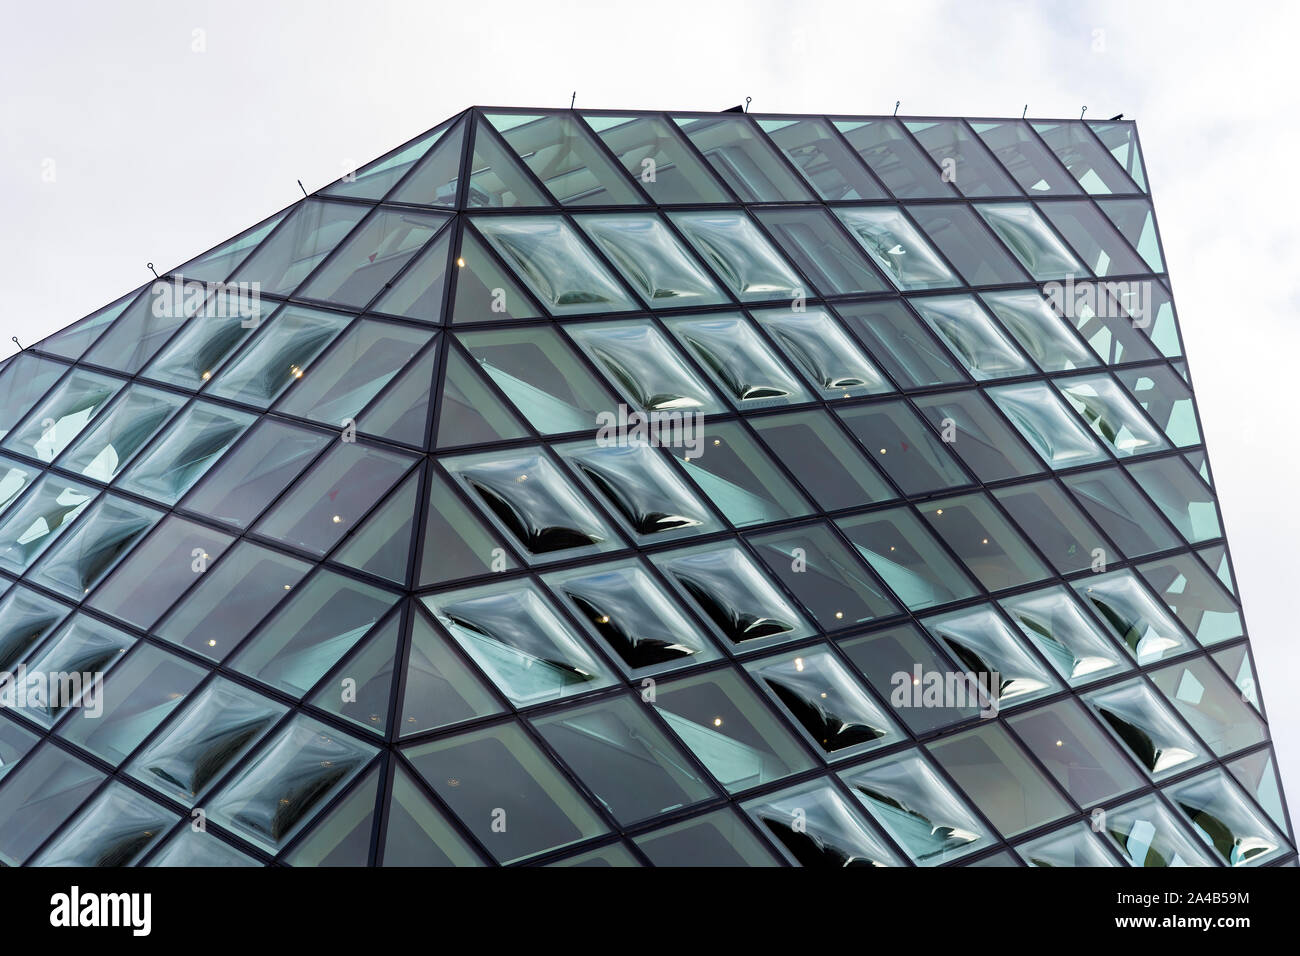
(1120, 510)
(38, 797)
(15, 478)
(822, 158)
(899, 443)
(1147, 834)
(823, 459)
(1055, 524)
(907, 558)
(1211, 705)
(485, 290)
(1085, 157)
(713, 840)
(520, 641)
(968, 243)
(895, 159)
(1109, 315)
(1075, 845)
(375, 180)
(418, 294)
(633, 768)
(1167, 399)
(307, 236)
(743, 158)
(441, 689)
(1196, 598)
(24, 380)
(896, 247)
(1136, 222)
(1084, 761)
(457, 544)
(962, 158)
(419, 834)
(1025, 157)
(816, 244)
(652, 150)
(1122, 142)
(979, 435)
(372, 256)
(977, 533)
(497, 179)
(563, 155)
(898, 340)
(1181, 495)
(1097, 242)
(499, 776)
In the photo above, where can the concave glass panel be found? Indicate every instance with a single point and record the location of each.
(817, 827)
(1256, 773)
(311, 632)
(150, 320)
(1167, 399)
(539, 372)
(218, 726)
(739, 478)
(972, 336)
(200, 350)
(641, 487)
(1074, 845)
(822, 158)
(367, 357)
(288, 783)
(251, 476)
(1212, 705)
(834, 587)
(907, 558)
(826, 354)
(30, 526)
(71, 666)
(376, 179)
(520, 641)
(895, 159)
(1039, 330)
(1077, 752)
(1120, 510)
(823, 459)
(741, 156)
(818, 247)
(962, 158)
(1196, 598)
(506, 791)
(742, 365)
(159, 571)
(56, 422)
(334, 497)
(15, 478)
(1071, 641)
(653, 152)
(1145, 724)
(563, 155)
(981, 640)
(1025, 157)
(1084, 156)
(83, 557)
(634, 769)
(645, 366)
(992, 550)
(139, 696)
(896, 247)
(895, 662)
(341, 837)
(279, 357)
(366, 264)
(1181, 495)
(899, 342)
(547, 253)
(1133, 616)
(640, 621)
(979, 435)
(106, 449)
(918, 809)
(968, 244)
(651, 259)
(741, 256)
(729, 730)
(1026, 234)
(1043, 420)
(1097, 242)
(998, 778)
(820, 695)
(306, 237)
(15, 743)
(38, 797)
(900, 445)
(24, 380)
(1147, 834)
(26, 617)
(1223, 817)
(115, 829)
(530, 496)
(734, 594)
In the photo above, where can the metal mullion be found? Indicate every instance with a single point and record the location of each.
(320, 812)
(468, 223)
(886, 194)
(450, 125)
(492, 133)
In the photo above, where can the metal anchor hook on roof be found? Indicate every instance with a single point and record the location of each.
(1081, 112)
(748, 100)
(1024, 111)
(152, 269)
(302, 187)
(573, 99)
(897, 104)
(14, 340)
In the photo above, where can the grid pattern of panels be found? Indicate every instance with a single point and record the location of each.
(359, 519)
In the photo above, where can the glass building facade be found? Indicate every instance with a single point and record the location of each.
(632, 488)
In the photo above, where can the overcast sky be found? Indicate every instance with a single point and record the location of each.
(141, 131)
